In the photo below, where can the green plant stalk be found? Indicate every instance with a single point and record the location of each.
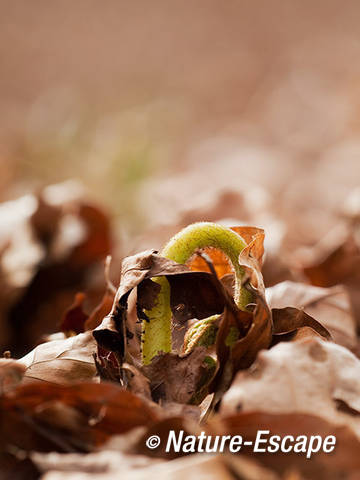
(156, 336)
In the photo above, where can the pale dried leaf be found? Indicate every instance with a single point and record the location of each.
(105, 462)
(309, 376)
(194, 467)
(62, 361)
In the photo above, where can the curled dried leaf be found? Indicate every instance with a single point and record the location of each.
(193, 295)
(328, 306)
(289, 320)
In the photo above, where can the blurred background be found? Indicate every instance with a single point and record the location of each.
(168, 112)
(115, 93)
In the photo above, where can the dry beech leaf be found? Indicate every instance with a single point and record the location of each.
(106, 463)
(194, 467)
(97, 242)
(290, 320)
(74, 318)
(175, 378)
(136, 381)
(343, 462)
(329, 306)
(259, 336)
(251, 258)
(78, 417)
(62, 361)
(11, 374)
(233, 322)
(335, 260)
(100, 311)
(308, 376)
(299, 334)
